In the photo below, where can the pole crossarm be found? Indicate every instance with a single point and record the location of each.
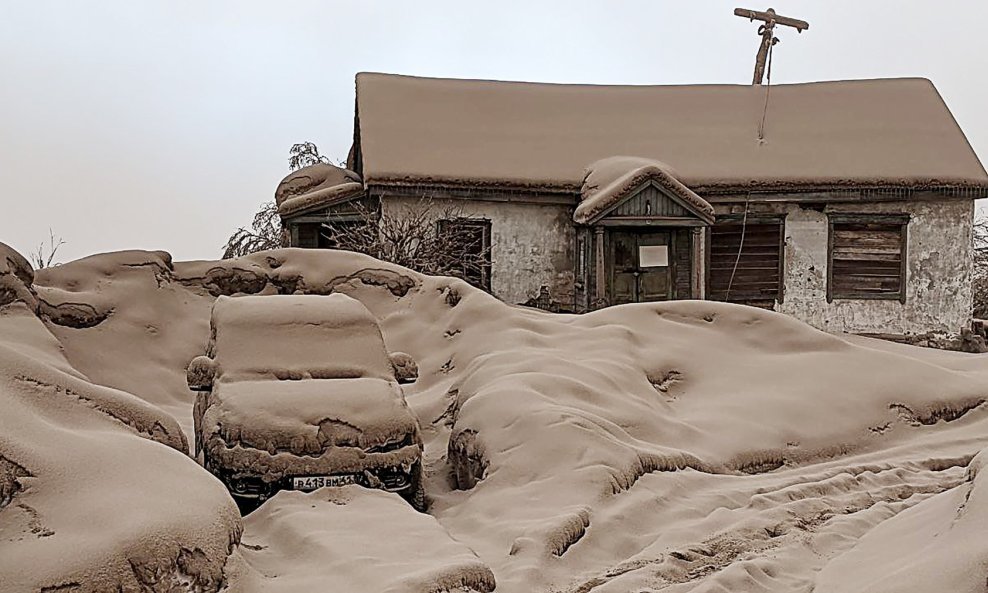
(769, 16)
(767, 33)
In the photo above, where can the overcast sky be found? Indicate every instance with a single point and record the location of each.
(164, 124)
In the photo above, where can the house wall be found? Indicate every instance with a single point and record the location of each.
(532, 245)
(938, 274)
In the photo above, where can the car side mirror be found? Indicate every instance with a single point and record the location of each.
(406, 371)
(200, 373)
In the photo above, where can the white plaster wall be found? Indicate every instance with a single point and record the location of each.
(531, 245)
(938, 282)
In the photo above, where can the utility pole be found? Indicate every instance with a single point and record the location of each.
(767, 31)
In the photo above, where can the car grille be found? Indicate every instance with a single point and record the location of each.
(393, 480)
(392, 445)
(248, 486)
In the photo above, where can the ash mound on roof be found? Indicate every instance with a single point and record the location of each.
(315, 185)
(608, 181)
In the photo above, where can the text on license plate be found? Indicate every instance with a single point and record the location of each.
(314, 482)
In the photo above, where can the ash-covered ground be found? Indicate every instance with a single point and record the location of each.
(685, 446)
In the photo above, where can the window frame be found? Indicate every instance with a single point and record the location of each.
(486, 244)
(892, 219)
(753, 219)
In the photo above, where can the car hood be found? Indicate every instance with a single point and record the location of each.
(305, 417)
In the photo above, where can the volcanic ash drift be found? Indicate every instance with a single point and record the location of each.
(684, 446)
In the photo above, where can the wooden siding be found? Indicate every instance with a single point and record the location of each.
(757, 279)
(867, 259)
(650, 201)
(683, 248)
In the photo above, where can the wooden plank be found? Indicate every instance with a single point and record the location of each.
(744, 298)
(852, 264)
(881, 257)
(757, 257)
(742, 287)
(740, 292)
(744, 264)
(886, 239)
(746, 252)
(892, 271)
(799, 25)
(753, 238)
(865, 284)
(683, 269)
(748, 258)
(733, 248)
(721, 244)
(869, 219)
(767, 287)
(866, 257)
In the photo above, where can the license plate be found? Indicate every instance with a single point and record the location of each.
(314, 482)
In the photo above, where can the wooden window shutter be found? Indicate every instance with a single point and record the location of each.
(748, 270)
(867, 257)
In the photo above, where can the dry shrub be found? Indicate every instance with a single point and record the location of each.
(265, 233)
(409, 236)
(980, 282)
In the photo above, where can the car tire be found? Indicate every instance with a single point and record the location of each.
(417, 497)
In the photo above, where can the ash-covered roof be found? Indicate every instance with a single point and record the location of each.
(316, 186)
(871, 133)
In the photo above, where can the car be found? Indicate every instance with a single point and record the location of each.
(298, 392)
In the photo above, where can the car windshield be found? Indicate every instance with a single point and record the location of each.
(291, 337)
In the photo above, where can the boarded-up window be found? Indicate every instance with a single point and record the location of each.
(867, 257)
(745, 263)
(471, 238)
(306, 235)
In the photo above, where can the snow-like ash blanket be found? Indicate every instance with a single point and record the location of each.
(680, 446)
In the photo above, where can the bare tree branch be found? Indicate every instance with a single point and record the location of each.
(43, 257)
(304, 154)
(980, 280)
(265, 233)
(409, 235)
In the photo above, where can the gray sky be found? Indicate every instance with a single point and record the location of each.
(164, 124)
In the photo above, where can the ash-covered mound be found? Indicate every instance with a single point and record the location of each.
(678, 446)
(96, 490)
(16, 279)
(354, 539)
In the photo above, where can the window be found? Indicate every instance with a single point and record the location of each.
(469, 242)
(867, 257)
(745, 260)
(344, 234)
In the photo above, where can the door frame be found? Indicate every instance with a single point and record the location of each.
(673, 236)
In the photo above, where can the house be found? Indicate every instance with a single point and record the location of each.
(846, 204)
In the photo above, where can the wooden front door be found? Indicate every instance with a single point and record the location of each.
(642, 267)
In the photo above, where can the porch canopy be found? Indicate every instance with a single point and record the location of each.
(635, 191)
(316, 186)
